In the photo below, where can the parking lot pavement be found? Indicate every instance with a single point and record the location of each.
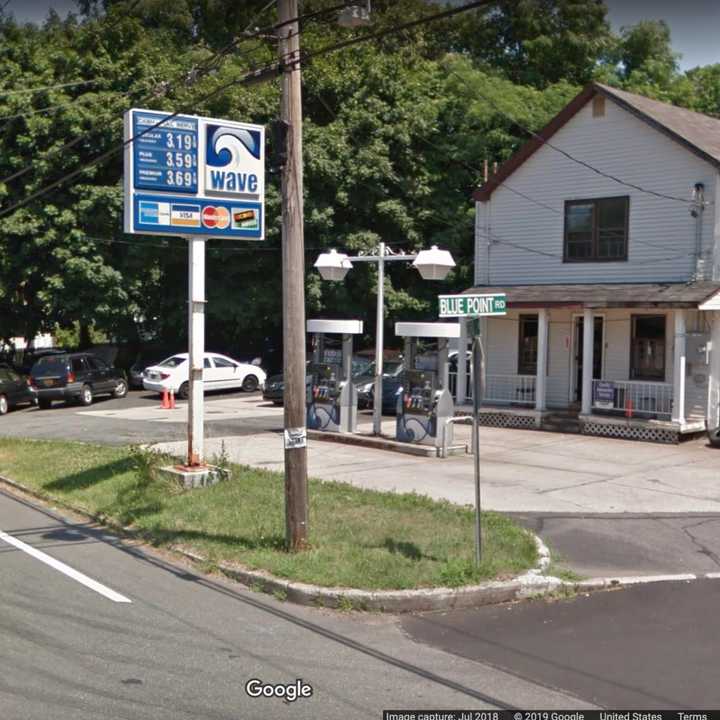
(138, 418)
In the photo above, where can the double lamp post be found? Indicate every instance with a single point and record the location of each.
(433, 264)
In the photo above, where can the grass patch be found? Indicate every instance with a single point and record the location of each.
(358, 538)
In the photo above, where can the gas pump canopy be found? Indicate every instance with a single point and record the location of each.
(341, 327)
(427, 329)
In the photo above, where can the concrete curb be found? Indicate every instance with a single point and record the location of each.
(492, 592)
(533, 583)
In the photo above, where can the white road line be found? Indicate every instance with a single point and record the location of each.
(65, 569)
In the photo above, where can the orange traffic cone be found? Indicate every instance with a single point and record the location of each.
(165, 405)
(172, 399)
(628, 408)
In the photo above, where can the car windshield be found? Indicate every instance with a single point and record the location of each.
(50, 364)
(173, 362)
(390, 369)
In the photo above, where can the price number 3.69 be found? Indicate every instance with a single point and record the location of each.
(177, 178)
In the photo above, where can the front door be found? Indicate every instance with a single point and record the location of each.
(597, 353)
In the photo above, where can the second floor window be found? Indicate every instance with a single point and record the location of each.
(596, 230)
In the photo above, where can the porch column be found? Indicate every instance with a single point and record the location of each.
(461, 380)
(541, 369)
(587, 364)
(678, 411)
(714, 394)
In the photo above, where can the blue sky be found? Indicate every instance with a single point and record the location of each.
(695, 24)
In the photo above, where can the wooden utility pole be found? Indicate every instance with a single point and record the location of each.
(293, 273)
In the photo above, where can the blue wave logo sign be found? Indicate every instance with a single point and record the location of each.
(234, 161)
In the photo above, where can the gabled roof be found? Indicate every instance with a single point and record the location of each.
(697, 132)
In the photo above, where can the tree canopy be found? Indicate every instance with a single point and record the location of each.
(396, 133)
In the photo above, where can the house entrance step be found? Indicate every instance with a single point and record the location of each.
(561, 422)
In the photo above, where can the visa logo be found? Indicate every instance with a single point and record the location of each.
(222, 180)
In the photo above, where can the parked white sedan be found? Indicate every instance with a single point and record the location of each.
(220, 373)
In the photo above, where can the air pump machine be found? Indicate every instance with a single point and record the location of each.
(424, 402)
(331, 396)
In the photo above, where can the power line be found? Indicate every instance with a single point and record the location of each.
(568, 155)
(192, 76)
(207, 66)
(497, 240)
(7, 93)
(53, 108)
(258, 75)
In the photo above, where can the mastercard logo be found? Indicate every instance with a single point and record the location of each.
(215, 217)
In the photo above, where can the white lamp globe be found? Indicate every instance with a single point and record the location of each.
(434, 264)
(333, 265)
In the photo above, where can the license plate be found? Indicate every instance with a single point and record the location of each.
(48, 383)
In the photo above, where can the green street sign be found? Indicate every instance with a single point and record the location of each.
(472, 305)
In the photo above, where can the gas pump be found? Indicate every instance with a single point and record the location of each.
(424, 400)
(331, 395)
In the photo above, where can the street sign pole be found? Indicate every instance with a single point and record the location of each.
(478, 362)
(196, 347)
(475, 306)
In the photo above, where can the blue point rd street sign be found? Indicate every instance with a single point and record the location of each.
(472, 305)
(193, 176)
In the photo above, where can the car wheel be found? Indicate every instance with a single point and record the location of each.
(121, 389)
(184, 391)
(44, 404)
(86, 396)
(4, 407)
(250, 383)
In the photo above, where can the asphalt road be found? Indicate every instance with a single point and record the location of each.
(601, 545)
(648, 647)
(185, 645)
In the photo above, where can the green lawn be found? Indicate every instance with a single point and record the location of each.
(359, 538)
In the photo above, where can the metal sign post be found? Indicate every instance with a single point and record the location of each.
(198, 178)
(478, 370)
(475, 306)
(196, 343)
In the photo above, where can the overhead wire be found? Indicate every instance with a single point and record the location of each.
(565, 153)
(257, 75)
(45, 88)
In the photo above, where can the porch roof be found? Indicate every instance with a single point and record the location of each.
(620, 295)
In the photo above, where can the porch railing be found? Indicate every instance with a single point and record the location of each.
(500, 389)
(512, 389)
(632, 398)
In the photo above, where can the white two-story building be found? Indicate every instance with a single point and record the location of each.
(604, 232)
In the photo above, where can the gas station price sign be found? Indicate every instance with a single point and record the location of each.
(165, 153)
(193, 176)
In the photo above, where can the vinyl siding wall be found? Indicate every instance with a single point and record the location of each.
(661, 232)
